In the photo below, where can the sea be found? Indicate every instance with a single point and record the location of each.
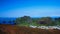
(7, 20)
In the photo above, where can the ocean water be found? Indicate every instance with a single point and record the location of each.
(7, 20)
(12, 20)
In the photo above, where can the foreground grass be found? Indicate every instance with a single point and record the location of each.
(9, 29)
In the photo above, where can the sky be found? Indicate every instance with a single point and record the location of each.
(33, 8)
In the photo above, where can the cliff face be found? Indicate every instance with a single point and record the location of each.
(9, 29)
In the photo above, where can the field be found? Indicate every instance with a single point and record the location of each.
(13, 29)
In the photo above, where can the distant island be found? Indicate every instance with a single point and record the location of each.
(27, 20)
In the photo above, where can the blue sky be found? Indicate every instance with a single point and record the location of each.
(33, 8)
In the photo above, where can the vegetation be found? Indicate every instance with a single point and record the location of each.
(46, 21)
(9, 29)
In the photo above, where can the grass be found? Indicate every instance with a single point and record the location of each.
(8, 29)
(33, 24)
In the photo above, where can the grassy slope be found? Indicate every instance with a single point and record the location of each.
(8, 29)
